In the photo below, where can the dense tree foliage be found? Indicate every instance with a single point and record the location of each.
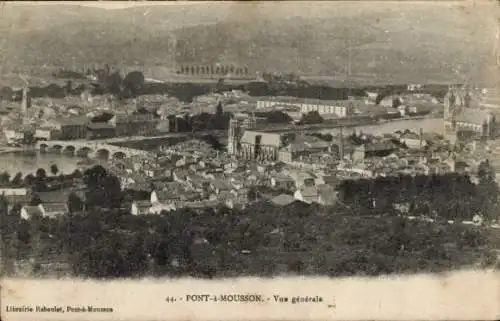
(133, 83)
(312, 117)
(54, 169)
(260, 240)
(276, 117)
(103, 189)
(449, 196)
(365, 233)
(18, 179)
(4, 178)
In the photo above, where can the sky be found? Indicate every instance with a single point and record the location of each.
(128, 4)
(108, 4)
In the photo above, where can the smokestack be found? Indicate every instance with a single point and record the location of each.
(341, 144)
(421, 137)
(26, 102)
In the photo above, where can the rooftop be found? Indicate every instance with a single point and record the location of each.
(94, 126)
(474, 116)
(74, 120)
(266, 139)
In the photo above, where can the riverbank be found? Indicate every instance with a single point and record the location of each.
(28, 160)
(6, 150)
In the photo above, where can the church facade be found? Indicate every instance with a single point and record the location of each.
(469, 114)
(245, 143)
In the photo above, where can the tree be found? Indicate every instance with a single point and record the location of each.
(104, 189)
(396, 102)
(134, 82)
(54, 169)
(278, 117)
(41, 174)
(18, 179)
(219, 86)
(4, 177)
(485, 171)
(312, 117)
(75, 204)
(4, 205)
(113, 83)
(76, 174)
(136, 257)
(29, 179)
(252, 194)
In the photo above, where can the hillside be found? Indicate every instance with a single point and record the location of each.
(399, 43)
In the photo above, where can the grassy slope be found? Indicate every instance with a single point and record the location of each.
(400, 43)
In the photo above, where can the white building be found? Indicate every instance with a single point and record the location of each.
(340, 108)
(13, 136)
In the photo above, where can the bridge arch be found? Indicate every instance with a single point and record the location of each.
(69, 150)
(84, 151)
(102, 153)
(56, 148)
(43, 147)
(119, 155)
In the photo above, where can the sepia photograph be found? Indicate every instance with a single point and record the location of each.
(218, 140)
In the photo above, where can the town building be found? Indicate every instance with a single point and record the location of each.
(135, 124)
(262, 146)
(13, 136)
(373, 149)
(468, 114)
(340, 108)
(100, 130)
(68, 128)
(45, 134)
(16, 195)
(237, 127)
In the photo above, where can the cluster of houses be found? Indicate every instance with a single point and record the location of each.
(51, 204)
(198, 179)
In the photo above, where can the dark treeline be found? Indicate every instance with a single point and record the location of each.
(133, 84)
(41, 181)
(449, 197)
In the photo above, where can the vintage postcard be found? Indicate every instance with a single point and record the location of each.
(276, 161)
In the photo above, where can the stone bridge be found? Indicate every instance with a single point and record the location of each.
(88, 148)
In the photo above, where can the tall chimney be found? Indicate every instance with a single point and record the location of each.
(341, 144)
(26, 102)
(421, 137)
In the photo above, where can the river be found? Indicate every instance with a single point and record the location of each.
(427, 124)
(29, 162)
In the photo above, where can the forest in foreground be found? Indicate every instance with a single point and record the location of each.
(363, 234)
(261, 240)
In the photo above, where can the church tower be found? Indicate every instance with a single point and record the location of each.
(233, 136)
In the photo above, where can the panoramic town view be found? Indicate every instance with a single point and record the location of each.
(212, 142)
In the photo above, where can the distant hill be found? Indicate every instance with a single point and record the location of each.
(390, 43)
